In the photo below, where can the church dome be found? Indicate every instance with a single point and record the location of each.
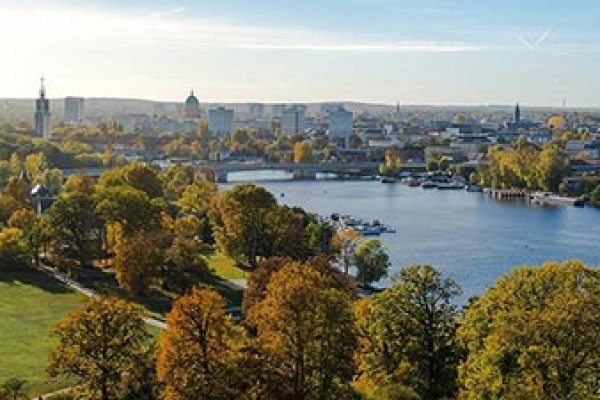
(192, 100)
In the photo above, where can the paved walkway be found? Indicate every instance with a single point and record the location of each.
(60, 276)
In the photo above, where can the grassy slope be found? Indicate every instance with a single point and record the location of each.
(225, 268)
(30, 304)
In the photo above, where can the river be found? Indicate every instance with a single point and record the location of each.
(469, 236)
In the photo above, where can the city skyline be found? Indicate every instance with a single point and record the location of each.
(381, 51)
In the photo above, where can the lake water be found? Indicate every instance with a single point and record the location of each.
(469, 236)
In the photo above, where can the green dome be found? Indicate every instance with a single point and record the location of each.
(192, 100)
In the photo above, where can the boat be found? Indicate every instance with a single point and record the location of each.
(412, 182)
(389, 179)
(369, 230)
(551, 199)
(453, 185)
(474, 188)
(429, 185)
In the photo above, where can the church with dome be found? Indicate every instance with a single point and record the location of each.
(192, 107)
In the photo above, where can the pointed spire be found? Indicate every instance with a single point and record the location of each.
(517, 113)
(42, 88)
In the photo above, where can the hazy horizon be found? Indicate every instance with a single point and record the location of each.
(429, 52)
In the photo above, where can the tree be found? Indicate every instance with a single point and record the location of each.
(33, 232)
(256, 284)
(71, 220)
(239, 220)
(536, 334)
(303, 152)
(99, 344)
(197, 197)
(372, 261)
(197, 351)
(12, 250)
(407, 334)
(306, 325)
(345, 243)
(131, 209)
(13, 389)
(138, 260)
(144, 178)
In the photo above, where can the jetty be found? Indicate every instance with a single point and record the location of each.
(507, 194)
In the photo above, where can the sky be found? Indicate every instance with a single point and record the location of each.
(535, 52)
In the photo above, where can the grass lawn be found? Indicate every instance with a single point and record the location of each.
(225, 268)
(30, 304)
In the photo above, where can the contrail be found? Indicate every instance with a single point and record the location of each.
(544, 36)
(541, 39)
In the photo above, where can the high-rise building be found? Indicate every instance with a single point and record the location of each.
(256, 110)
(220, 121)
(73, 110)
(517, 113)
(293, 120)
(341, 124)
(42, 114)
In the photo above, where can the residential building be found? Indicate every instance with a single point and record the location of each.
(220, 121)
(293, 120)
(341, 124)
(73, 110)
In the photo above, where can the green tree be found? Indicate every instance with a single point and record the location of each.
(100, 344)
(407, 334)
(72, 221)
(130, 208)
(535, 335)
(372, 261)
(239, 220)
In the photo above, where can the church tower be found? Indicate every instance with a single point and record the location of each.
(517, 114)
(42, 114)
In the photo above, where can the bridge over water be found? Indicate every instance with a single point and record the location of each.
(299, 171)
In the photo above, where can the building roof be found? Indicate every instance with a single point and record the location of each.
(192, 100)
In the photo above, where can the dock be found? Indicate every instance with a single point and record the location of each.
(507, 194)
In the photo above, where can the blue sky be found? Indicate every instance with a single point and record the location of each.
(414, 52)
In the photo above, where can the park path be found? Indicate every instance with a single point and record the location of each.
(60, 276)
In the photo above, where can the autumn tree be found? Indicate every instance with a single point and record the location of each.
(303, 152)
(407, 334)
(239, 220)
(100, 345)
(131, 209)
(33, 232)
(535, 334)
(138, 260)
(197, 351)
(72, 225)
(372, 261)
(144, 178)
(344, 243)
(307, 327)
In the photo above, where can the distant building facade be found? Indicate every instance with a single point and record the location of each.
(73, 110)
(293, 120)
(256, 110)
(341, 124)
(220, 121)
(42, 114)
(192, 107)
